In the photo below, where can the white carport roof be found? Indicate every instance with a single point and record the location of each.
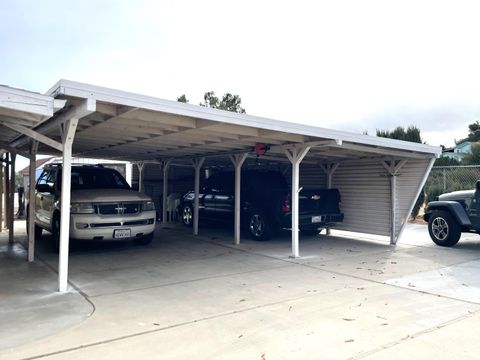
(105, 123)
(128, 126)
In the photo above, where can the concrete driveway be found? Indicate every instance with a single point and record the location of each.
(201, 297)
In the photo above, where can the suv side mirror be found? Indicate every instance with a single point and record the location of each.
(44, 188)
(477, 185)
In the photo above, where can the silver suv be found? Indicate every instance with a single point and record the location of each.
(103, 206)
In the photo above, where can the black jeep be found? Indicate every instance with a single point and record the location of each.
(452, 214)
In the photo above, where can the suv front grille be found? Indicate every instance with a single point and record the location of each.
(118, 208)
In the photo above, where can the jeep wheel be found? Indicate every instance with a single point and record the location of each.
(187, 215)
(444, 229)
(259, 226)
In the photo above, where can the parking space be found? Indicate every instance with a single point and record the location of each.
(347, 297)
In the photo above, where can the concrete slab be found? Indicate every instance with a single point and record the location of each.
(459, 281)
(31, 308)
(202, 297)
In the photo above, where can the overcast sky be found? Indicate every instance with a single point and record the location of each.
(349, 65)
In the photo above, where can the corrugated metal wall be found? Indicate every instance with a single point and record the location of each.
(365, 190)
(410, 176)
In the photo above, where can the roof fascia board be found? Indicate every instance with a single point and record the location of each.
(27, 101)
(80, 90)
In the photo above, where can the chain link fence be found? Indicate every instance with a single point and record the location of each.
(444, 179)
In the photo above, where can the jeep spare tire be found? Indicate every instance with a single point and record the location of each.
(444, 229)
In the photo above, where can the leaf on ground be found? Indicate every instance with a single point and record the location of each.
(290, 308)
(381, 317)
(411, 285)
(349, 340)
(348, 319)
(240, 336)
(242, 300)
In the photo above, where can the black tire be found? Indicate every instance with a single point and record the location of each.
(309, 232)
(56, 232)
(259, 226)
(144, 240)
(444, 229)
(187, 215)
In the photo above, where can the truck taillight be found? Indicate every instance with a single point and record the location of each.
(286, 204)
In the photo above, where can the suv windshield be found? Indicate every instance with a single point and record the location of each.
(97, 178)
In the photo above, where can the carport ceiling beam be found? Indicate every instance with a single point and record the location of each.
(35, 135)
(11, 149)
(85, 108)
(383, 151)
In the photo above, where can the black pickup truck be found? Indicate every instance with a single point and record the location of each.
(265, 203)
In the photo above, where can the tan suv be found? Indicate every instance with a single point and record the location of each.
(102, 207)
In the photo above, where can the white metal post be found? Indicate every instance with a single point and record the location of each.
(140, 165)
(197, 163)
(296, 156)
(392, 168)
(329, 169)
(31, 202)
(237, 161)
(68, 136)
(166, 165)
(11, 211)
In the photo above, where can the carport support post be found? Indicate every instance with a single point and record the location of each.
(197, 164)
(11, 212)
(393, 168)
(67, 141)
(329, 169)
(31, 201)
(140, 165)
(237, 161)
(166, 165)
(295, 156)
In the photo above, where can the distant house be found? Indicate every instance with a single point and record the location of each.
(124, 167)
(459, 151)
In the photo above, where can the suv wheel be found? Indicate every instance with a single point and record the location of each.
(259, 226)
(187, 215)
(443, 228)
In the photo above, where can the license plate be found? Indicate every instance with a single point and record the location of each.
(121, 233)
(316, 219)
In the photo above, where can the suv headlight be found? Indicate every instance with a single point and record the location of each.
(82, 208)
(148, 206)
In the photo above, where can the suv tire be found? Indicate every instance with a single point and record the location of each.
(444, 230)
(187, 215)
(259, 226)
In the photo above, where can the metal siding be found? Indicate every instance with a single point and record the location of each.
(365, 192)
(408, 181)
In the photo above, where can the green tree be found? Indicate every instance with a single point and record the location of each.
(182, 98)
(228, 102)
(411, 134)
(473, 133)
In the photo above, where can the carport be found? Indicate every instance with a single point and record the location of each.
(379, 178)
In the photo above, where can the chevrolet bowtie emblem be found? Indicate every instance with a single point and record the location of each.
(315, 197)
